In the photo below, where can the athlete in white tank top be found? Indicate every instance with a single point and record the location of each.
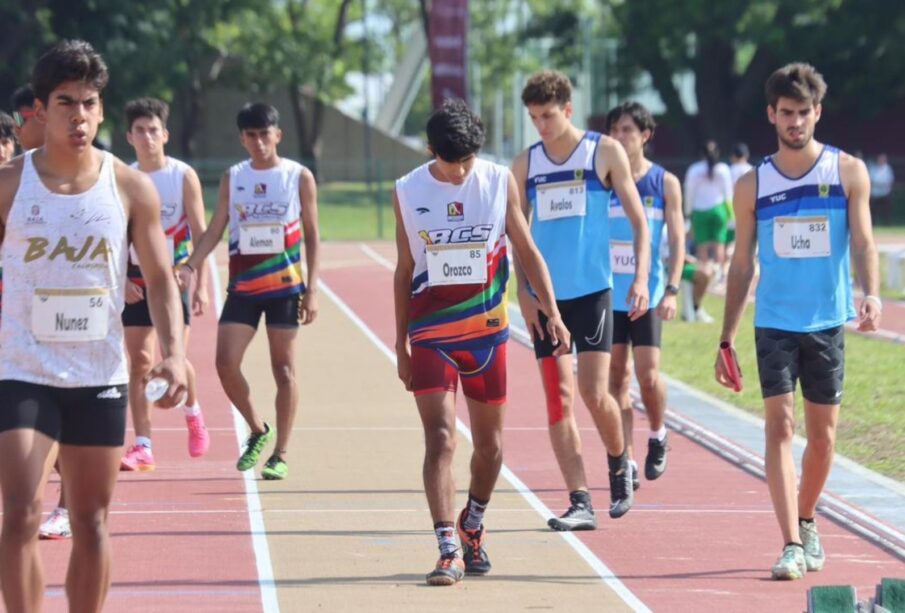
(68, 211)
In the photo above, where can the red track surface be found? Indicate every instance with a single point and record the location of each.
(700, 539)
(180, 534)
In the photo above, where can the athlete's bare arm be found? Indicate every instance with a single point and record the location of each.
(527, 302)
(535, 269)
(613, 162)
(675, 234)
(741, 270)
(402, 288)
(308, 195)
(146, 233)
(193, 201)
(856, 182)
(208, 241)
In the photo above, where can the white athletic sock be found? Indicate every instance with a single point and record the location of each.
(144, 441)
(192, 411)
(658, 434)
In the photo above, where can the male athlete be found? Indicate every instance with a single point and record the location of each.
(68, 213)
(633, 126)
(565, 182)
(453, 215)
(269, 203)
(182, 216)
(805, 210)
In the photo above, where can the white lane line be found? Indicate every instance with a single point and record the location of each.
(608, 577)
(266, 581)
(371, 253)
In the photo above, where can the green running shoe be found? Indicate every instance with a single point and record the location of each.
(790, 564)
(276, 468)
(254, 445)
(814, 556)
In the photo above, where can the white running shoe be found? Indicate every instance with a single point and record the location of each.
(56, 527)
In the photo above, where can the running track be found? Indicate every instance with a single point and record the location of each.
(700, 539)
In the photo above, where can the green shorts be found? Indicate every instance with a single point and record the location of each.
(688, 271)
(730, 235)
(710, 226)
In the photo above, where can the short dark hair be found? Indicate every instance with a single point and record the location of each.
(146, 107)
(257, 115)
(6, 126)
(23, 96)
(798, 81)
(740, 150)
(68, 60)
(637, 111)
(547, 86)
(454, 131)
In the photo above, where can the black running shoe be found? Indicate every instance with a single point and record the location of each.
(448, 571)
(475, 558)
(636, 480)
(578, 516)
(622, 496)
(655, 462)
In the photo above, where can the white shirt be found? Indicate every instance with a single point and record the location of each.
(881, 180)
(705, 193)
(738, 169)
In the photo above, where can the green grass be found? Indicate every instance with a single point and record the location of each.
(871, 424)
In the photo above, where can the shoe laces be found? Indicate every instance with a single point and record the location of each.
(195, 425)
(620, 483)
(254, 440)
(274, 461)
(445, 563)
(574, 509)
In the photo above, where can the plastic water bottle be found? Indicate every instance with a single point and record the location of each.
(157, 388)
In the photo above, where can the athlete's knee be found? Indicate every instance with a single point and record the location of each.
(139, 365)
(226, 364)
(490, 450)
(89, 525)
(648, 379)
(594, 392)
(618, 378)
(822, 442)
(283, 373)
(440, 443)
(780, 429)
(21, 518)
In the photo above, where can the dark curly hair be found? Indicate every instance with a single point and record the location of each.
(68, 60)
(454, 132)
(547, 86)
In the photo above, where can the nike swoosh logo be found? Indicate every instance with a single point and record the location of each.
(598, 336)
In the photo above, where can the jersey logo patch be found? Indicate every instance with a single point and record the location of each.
(421, 210)
(579, 173)
(260, 189)
(824, 190)
(455, 211)
(648, 201)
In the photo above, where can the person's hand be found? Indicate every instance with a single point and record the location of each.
(173, 371)
(667, 307)
(308, 307)
(404, 366)
(869, 314)
(638, 300)
(185, 276)
(134, 293)
(199, 301)
(559, 335)
(721, 371)
(530, 309)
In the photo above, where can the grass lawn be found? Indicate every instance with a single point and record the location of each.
(872, 423)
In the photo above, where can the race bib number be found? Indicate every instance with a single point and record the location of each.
(461, 264)
(70, 315)
(171, 249)
(560, 200)
(261, 238)
(622, 257)
(801, 237)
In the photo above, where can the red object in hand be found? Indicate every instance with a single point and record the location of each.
(731, 366)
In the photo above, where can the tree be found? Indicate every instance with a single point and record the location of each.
(732, 46)
(301, 46)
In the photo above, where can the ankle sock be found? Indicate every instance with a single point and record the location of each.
(659, 435)
(144, 441)
(446, 539)
(474, 515)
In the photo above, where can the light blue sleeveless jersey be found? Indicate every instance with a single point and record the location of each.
(650, 188)
(570, 222)
(803, 245)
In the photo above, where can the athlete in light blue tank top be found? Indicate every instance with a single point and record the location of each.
(803, 246)
(650, 188)
(570, 224)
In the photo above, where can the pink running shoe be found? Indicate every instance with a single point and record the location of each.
(138, 458)
(199, 439)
